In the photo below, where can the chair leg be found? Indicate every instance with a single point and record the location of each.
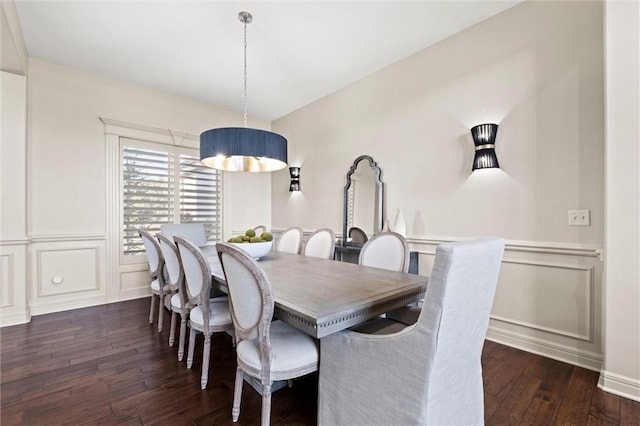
(192, 344)
(172, 332)
(160, 313)
(153, 308)
(206, 354)
(183, 336)
(266, 404)
(237, 395)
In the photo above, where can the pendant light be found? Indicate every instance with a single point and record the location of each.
(242, 148)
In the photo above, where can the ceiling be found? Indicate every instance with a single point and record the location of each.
(298, 51)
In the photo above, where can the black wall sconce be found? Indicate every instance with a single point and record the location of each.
(294, 172)
(484, 138)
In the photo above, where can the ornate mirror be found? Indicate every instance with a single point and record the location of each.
(363, 199)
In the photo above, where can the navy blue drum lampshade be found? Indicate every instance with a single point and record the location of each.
(484, 138)
(243, 149)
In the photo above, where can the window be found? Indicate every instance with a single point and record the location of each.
(165, 184)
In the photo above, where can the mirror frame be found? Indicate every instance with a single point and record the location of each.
(378, 219)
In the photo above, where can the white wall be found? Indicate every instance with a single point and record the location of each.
(621, 369)
(536, 70)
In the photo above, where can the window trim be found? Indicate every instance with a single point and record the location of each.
(115, 130)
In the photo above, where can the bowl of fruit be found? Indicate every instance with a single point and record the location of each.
(255, 245)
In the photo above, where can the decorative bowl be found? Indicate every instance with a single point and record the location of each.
(255, 250)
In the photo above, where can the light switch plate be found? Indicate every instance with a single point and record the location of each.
(579, 218)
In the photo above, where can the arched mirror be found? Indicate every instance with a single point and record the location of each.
(363, 199)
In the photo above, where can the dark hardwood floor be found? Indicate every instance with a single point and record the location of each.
(107, 365)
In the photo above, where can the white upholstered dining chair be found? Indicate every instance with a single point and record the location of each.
(290, 240)
(386, 250)
(207, 316)
(320, 244)
(357, 235)
(429, 372)
(156, 270)
(266, 350)
(178, 298)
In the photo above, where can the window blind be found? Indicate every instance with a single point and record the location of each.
(147, 199)
(164, 184)
(200, 200)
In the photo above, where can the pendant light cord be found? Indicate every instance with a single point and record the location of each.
(245, 74)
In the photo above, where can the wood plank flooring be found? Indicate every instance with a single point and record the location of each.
(107, 365)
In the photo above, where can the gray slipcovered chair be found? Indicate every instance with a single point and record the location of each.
(321, 244)
(429, 372)
(290, 241)
(206, 316)
(156, 270)
(266, 350)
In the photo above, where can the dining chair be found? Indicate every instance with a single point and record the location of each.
(357, 235)
(386, 250)
(178, 301)
(290, 240)
(260, 229)
(429, 372)
(194, 232)
(320, 244)
(156, 269)
(207, 316)
(266, 350)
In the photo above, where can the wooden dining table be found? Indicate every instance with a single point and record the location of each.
(321, 296)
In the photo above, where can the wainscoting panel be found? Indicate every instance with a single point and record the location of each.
(67, 274)
(134, 281)
(552, 298)
(548, 299)
(13, 284)
(7, 280)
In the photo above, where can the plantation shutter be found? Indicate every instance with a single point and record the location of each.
(200, 201)
(147, 194)
(166, 184)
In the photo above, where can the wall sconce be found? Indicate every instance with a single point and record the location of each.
(484, 138)
(294, 172)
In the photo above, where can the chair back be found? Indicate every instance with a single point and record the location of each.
(455, 318)
(174, 268)
(321, 244)
(386, 250)
(290, 241)
(154, 255)
(197, 276)
(260, 229)
(357, 235)
(194, 232)
(250, 298)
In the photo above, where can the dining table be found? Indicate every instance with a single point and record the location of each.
(322, 296)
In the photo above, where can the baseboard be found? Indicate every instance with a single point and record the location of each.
(570, 355)
(47, 307)
(15, 319)
(619, 385)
